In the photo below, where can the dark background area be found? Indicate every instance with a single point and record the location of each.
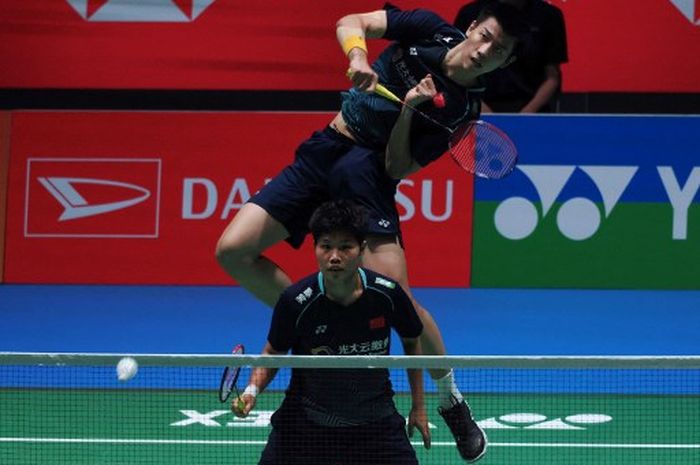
(280, 100)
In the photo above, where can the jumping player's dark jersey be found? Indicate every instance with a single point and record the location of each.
(309, 323)
(329, 165)
(421, 39)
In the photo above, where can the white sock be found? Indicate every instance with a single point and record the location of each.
(447, 391)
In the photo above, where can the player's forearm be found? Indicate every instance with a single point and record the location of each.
(398, 161)
(352, 32)
(261, 377)
(415, 376)
(360, 26)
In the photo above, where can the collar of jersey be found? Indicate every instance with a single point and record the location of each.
(360, 271)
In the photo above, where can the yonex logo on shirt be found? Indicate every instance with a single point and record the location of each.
(321, 329)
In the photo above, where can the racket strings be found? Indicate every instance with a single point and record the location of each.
(483, 150)
(229, 378)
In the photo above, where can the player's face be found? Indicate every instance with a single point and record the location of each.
(338, 255)
(487, 46)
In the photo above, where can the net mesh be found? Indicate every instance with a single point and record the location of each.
(71, 409)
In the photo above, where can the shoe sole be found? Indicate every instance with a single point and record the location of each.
(486, 446)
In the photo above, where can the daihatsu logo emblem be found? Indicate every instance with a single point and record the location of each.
(92, 197)
(75, 205)
(129, 11)
(690, 9)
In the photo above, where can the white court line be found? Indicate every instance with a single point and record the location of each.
(262, 443)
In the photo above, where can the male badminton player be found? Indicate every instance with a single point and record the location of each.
(368, 148)
(339, 415)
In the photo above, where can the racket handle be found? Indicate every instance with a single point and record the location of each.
(386, 93)
(438, 100)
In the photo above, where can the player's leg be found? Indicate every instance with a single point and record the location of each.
(360, 176)
(385, 255)
(294, 440)
(382, 442)
(279, 211)
(239, 252)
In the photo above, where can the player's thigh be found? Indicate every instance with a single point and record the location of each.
(251, 231)
(386, 443)
(360, 176)
(385, 255)
(294, 440)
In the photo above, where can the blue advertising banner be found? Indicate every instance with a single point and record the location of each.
(596, 201)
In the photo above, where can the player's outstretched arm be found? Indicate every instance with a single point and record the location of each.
(398, 161)
(417, 418)
(259, 379)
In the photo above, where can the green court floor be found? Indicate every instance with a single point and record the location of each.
(160, 427)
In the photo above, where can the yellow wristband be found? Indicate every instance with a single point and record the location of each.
(354, 42)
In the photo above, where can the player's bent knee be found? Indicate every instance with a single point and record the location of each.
(229, 253)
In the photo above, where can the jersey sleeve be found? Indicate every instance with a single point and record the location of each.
(404, 318)
(411, 24)
(428, 145)
(282, 328)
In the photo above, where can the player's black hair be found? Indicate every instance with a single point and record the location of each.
(339, 215)
(508, 16)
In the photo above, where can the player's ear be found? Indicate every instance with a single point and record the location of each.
(471, 27)
(363, 246)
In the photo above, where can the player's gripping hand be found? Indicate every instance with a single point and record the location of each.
(362, 75)
(424, 90)
(241, 406)
(417, 418)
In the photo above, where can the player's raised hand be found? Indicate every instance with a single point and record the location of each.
(424, 90)
(418, 419)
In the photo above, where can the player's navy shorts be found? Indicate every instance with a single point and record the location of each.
(329, 166)
(295, 440)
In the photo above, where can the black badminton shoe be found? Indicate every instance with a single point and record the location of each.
(470, 438)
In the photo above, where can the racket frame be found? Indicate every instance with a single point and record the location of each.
(229, 377)
(464, 127)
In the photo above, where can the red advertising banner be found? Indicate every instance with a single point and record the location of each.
(4, 164)
(614, 45)
(142, 197)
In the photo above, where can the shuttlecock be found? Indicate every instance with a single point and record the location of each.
(127, 368)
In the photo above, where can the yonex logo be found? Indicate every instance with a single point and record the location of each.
(92, 197)
(158, 11)
(321, 329)
(75, 206)
(510, 421)
(578, 218)
(536, 421)
(690, 9)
